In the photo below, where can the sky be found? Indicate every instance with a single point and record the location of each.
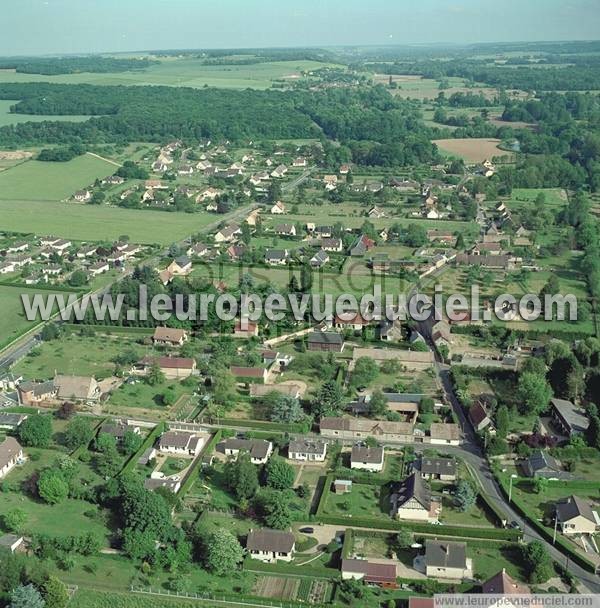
(35, 27)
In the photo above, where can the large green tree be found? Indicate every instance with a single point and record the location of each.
(36, 431)
(242, 477)
(279, 473)
(223, 552)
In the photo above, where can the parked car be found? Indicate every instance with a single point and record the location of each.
(307, 530)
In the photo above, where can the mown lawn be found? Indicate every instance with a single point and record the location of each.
(77, 355)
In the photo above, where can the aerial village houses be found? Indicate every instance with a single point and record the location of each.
(270, 545)
(180, 443)
(367, 459)
(168, 336)
(307, 450)
(11, 453)
(372, 573)
(447, 560)
(570, 419)
(171, 367)
(324, 341)
(442, 469)
(259, 450)
(575, 515)
(77, 388)
(278, 208)
(361, 428)
(32, 393)
(411, 499)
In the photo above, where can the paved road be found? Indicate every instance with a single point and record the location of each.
(472, 454)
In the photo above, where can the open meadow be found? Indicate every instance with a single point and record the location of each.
(47, 181)
(183, 72)
(97, 223)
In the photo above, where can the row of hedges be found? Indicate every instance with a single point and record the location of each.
(422, 528)
(263, 425)
(110, 329)
(547, 533)
(191, 476)
(156, 432)
(577, 484)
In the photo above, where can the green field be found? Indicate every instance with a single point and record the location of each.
(97, 223)
(183, 72)
(6, 118)
(41, 181)
(12, 321)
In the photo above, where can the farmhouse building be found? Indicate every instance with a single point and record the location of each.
(447, 560)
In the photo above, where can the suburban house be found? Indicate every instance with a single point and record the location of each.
(361, 428)
(332, 244)
(11, 422)
(227, 234)
(328, 341)
(345, 169)
(181, 266)
(171, 367)
(248, 375)
(376, 213)
(570, 419)
(307, 450)
(319, 259)
(248, 329)
(300, 162)
(277, 257)
(504, 584)
(443, 469)
(575, 515)
(478, 417)
(278, 208)
(441, 433)
(167, 336)
(382, 575)
(98, 268)
(77, 388)
(279, 171)
(330, 182)
(32, 393)
(11, 453)
(259, 450)
(82, 196)
(448, 560)
(285, 230)
(391, 331)
(197, 250)
(361, 246)
(181, 443)
(367, 459)
(354, 321)
(270, 545)
(118, 428)
(542, 464)
(411, 499)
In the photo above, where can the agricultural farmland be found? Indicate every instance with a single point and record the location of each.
(471, 150)
(41, 181)
(95, 222)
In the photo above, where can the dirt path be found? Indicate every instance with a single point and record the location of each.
(112, 162)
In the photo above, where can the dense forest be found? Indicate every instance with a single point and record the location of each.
(52, 66)
(391, 126)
